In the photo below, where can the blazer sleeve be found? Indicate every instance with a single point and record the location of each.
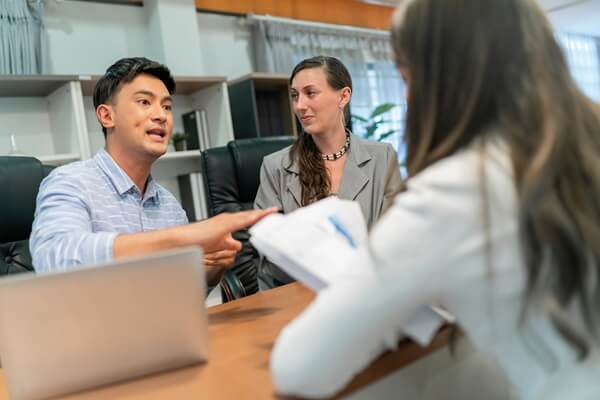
(411, 249)
(268, 194)
(393, 181)
(354, 320)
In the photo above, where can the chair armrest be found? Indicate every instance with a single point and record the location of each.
(231, 287)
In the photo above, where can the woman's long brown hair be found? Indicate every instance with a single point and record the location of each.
(481, 66)
(314, 179)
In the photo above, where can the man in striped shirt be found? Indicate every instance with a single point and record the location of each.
(109, 206)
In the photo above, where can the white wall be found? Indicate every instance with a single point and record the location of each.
(226, 45)
(171, 27)
(582, 16)
(579, 17)
(86, 37)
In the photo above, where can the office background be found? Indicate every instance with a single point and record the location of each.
(206, 50)
(84, 37)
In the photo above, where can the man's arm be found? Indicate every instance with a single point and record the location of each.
(213, 235)
(62, 234)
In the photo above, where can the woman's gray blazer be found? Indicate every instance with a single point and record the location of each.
(371, 177)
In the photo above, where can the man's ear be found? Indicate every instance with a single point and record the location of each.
(105, 115)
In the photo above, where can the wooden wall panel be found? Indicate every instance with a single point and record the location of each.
(228, 6)
(345, 12)
(273, 7)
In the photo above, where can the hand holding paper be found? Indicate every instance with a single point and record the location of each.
(327, 242)
(314, 244)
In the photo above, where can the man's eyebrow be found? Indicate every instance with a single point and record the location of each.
(151, 94)
(145, 92)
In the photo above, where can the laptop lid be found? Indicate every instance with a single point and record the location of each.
(66, 332)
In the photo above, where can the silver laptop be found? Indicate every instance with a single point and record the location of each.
(66, 332)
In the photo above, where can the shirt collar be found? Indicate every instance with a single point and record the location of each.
(122, 183)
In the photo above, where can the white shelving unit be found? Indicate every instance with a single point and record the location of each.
(53, 119)
(45, 113)
(59, 159)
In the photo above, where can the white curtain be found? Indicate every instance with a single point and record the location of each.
(583, 57)
(386, 86)
(20, 36)
(280, 44)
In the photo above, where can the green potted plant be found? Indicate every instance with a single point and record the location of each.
(370, 125)
(178, 140)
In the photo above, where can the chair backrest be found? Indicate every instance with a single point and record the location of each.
(20, 179)
(231, 178)
(248, 156)
(232, 172)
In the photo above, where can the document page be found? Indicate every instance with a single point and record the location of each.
(314, 244)
(320, 243)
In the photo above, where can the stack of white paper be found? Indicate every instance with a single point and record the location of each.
(321, 243)
(315, 243)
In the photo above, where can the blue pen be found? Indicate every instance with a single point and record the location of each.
(342, 230)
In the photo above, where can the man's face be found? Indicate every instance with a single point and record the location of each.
(140, 118)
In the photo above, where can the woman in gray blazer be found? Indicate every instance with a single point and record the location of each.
(326, 159)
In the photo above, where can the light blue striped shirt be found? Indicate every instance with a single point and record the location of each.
(83, 206)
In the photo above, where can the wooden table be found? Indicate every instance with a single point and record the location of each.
(242, 334)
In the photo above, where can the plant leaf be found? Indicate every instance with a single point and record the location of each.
(359, 118)
(370, 132)
(386, 135)
(380, 122)
(381, 109)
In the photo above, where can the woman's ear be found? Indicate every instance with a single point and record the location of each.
(105, 115)
(345, 95)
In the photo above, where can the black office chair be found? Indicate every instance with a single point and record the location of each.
(20, 179)
(231, 179)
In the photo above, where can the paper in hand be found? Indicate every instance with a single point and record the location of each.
(314, 244)
(324, 243)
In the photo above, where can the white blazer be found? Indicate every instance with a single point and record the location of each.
(430, 248)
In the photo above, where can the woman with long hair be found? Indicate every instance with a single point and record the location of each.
(500, 222)
(326, 159)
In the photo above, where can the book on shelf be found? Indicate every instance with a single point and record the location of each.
(195, 125)
(268, 107)
(191, 191)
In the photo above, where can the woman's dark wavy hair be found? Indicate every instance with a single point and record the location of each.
(313, 174)
(481, 66)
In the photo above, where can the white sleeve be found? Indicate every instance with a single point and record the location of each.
(353, 321)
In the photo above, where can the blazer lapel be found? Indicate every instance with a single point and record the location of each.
(293, 182)
(354, 179)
